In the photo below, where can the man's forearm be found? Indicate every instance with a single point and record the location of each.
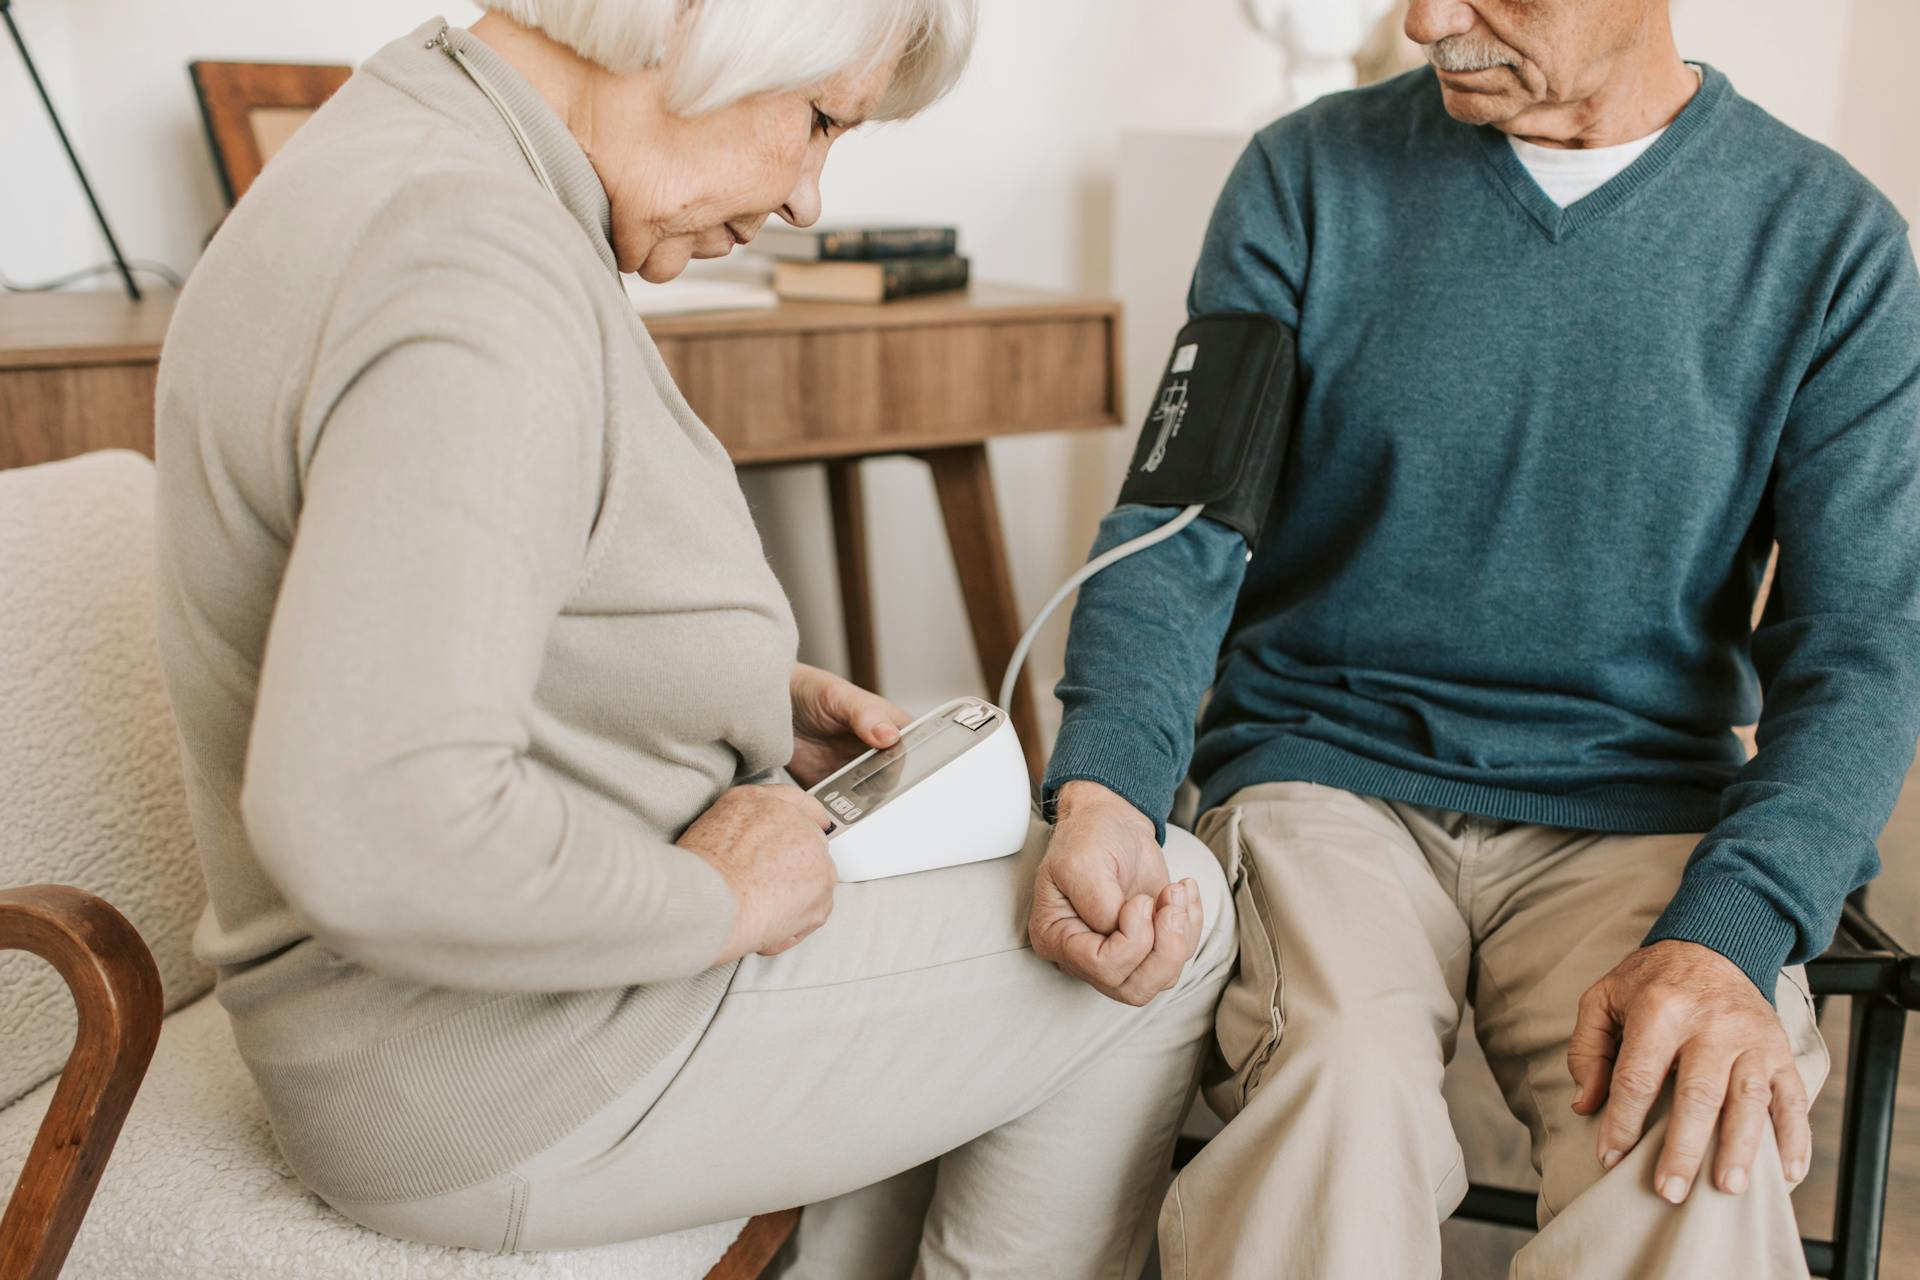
(1145, 636)
(1798, 827)
(1839, 651)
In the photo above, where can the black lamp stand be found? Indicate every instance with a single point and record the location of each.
(99, 216)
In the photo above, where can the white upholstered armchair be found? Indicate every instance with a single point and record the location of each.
(92, 812)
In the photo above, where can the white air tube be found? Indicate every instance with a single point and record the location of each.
(1114, 556)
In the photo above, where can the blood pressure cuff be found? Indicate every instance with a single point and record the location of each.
(1220, 422)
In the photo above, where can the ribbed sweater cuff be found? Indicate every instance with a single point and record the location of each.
(1121, 758)
(1731, 917)
(699, 912)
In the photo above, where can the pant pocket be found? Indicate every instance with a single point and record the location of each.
(1803, 1027)
(1249, 1021)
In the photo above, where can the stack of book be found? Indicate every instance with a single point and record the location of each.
(862, 264)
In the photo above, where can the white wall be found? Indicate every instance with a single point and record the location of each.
(122, 86)
(1023, 157)
(1880, 105)
(42, 230)
(1787, 55)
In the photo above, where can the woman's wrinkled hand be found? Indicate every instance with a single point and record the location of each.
(834, 720)
(770, 844)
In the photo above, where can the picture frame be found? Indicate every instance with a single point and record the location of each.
(252, 108)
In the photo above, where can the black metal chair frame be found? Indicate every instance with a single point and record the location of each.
(1882, 980)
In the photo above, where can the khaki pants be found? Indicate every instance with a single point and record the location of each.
(1364, 927)
(916, 1026)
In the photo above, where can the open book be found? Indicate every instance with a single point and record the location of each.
(704, 287)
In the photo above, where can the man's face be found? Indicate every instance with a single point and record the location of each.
(1499, 58)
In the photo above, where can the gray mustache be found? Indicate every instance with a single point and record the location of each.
(1465, 53)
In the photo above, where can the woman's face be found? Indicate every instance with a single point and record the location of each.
(696, 188)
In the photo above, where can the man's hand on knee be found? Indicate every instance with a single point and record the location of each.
(1683, 1009)
(1103, 909)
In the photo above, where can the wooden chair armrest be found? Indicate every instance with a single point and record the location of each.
(754, 1250)
(116, 993)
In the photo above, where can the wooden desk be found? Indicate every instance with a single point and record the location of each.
(933, 378)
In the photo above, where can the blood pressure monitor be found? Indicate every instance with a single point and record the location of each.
(953, 789)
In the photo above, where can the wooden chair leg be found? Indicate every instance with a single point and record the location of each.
(759, 1240)
(116, 991)
(965, 486)
(856, 585)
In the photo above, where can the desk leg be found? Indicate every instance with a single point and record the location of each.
(961, 478)
(856, 586)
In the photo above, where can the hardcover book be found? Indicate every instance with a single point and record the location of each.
(855, 244)
(880, 281)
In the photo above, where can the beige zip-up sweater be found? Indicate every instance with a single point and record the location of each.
(464, 619)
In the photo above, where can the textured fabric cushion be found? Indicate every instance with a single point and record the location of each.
(196, 1191)
(90, 788)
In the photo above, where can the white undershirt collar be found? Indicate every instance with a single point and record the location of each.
(1570, 174)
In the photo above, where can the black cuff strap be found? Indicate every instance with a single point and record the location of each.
(1220, 422)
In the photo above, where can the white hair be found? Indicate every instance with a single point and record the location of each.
(720, 51)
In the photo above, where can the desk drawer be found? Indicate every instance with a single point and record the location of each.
(51, 413)
(779, 396)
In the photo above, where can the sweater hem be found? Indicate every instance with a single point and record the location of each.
(456, 1102)
(1287, 759)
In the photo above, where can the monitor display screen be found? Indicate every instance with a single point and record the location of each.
(921, 752)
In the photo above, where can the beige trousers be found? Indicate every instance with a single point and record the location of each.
(916, 1026)
(1364, 926)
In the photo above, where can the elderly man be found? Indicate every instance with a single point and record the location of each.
(1582, 334)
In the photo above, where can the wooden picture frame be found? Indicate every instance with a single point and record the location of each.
(252, 108)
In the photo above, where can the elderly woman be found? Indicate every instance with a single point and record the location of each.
(473, 646)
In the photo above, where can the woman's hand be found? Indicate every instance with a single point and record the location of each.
(834, 720)
(770, 843)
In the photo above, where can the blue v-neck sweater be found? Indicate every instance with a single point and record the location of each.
(1541, 461)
